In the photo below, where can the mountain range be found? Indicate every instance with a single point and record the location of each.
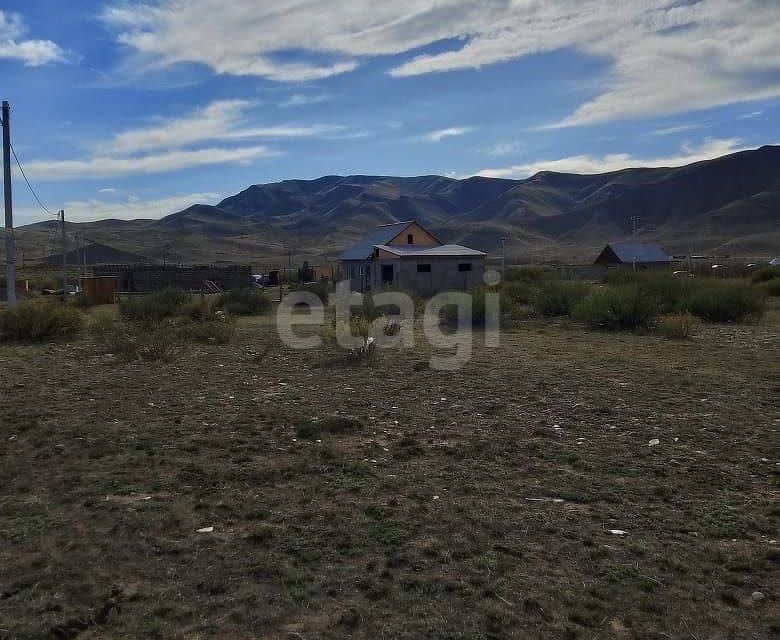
(728, 206)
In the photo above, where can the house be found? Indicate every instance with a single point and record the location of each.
(405, 255)
(630, 254)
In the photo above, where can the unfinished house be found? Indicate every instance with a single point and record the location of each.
(405, 255)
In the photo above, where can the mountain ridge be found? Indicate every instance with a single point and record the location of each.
(733, 200)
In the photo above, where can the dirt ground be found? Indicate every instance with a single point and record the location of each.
(483, 503)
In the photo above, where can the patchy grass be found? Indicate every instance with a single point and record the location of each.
(475, 503)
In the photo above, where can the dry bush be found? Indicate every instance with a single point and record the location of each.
(558, 297)
(156, 306)
(718, 301)
(243, 302)
(39, 322)
(678, 326)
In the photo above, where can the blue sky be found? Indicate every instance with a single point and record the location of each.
(139, 109)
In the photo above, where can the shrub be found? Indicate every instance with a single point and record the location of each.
(677, 326)
(39, 321)
(558, 297)
(771, 287)
(517, 292)
(243, 302)
(153, 307)
(620, 307)
(766, 274)
(666, 289)
(148, 341)
(719, 301)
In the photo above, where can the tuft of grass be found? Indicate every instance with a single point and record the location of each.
(329, 425)
(39, 322)
(677, 326)
(211, 329)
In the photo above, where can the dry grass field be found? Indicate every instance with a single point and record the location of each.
(392, 500)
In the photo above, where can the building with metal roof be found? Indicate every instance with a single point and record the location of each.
(631, 254)
(406, 255)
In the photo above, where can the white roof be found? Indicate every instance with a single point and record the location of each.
(442, 251)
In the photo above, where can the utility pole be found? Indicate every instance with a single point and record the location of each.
(503, 256)
(64, 241)
(84, 254)
(10, 248)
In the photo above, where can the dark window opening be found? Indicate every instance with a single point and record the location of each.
(387, 274)
(410, 239)
(464, 266)
(423, 268)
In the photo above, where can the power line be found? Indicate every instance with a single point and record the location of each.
(29, 186)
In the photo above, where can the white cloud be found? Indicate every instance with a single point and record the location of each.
(132, 208)
(441, 134)
(170, 144)
(302, 99)
(749, 116)
(710, 148)
(33, 53)
(219, 120)
(666, 131)
(103, 166)
(503, 148)
(664, 56)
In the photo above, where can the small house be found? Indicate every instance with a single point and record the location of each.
(405, 255)
(633, 254)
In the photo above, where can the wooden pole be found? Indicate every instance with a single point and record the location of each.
(10, 246)
(64, 241)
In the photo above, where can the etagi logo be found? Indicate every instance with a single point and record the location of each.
(447, 321)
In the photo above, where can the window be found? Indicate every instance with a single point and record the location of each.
(464, 266)
(423, 268)
(410, 239)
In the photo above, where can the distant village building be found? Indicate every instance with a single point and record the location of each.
(405, 255)
(630, 254)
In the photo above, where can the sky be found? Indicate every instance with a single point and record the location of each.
(139, 109)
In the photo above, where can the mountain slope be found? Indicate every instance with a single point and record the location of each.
(728, 202)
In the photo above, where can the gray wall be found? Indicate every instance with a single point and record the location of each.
(444, 274)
